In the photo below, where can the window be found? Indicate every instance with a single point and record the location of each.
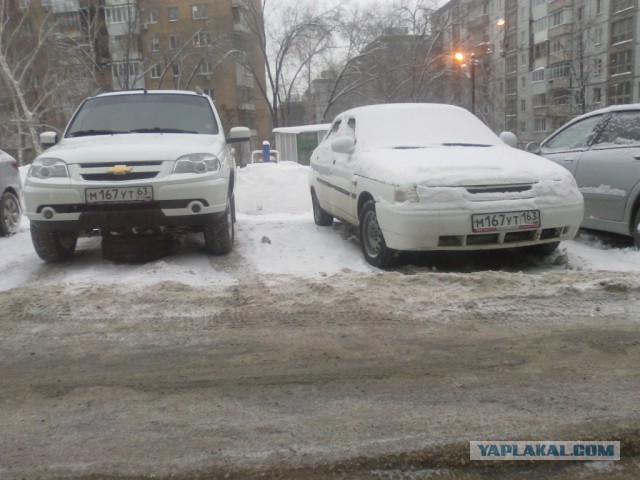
(173, 13)
(622, 31)
(512, 107)
(597, 66)
(556, 45)
(619, 5)
(620, 93)
(558, 70)
(202, 39)
(24, 4)
(537, 75)
(512, 86)
(596, 95)
(176, 69)
(154, 44)
(523, 82)
(559, 97)
(539, 100)
(598, 7)
(539, 124)
(523, 127)
(205, 67)
(174, 42)
(540, 50)
(523, 59)
(151, 16)
(511, 64)
(198, 11)
(623, 128)
(598, 36)
(156, 71)
(119, 14)
(540, 25)
(620, 62)
(574, 136)
(46, 4)
(523, 105)
(556, 19)
(122, 70)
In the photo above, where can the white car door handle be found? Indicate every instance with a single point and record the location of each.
(568, 160)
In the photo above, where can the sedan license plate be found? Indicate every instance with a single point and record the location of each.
(118, 194)
(494, 222)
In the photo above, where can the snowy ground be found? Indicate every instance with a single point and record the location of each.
(275, 236)
(293, 358)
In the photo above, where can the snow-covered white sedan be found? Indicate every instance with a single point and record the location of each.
(418, 177)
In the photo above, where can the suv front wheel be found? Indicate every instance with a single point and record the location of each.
(219, 233)
(53, 246)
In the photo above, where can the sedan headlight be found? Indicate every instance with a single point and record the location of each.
(44, 168)
(197, 163)
(406, 193)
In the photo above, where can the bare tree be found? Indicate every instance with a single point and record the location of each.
(293, 37)
(38, 72)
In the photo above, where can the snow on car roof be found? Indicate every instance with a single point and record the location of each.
(418, 124)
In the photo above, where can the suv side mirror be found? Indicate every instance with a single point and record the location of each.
(533, 147)
(239, 134)
(48, 139)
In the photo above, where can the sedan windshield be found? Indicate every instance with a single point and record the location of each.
(144, 113)
(424, 125)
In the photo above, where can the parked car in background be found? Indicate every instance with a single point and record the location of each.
(134, 164)
(601, 149)
(416, 177)
(10, 195)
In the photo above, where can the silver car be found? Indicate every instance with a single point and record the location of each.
(602, 151)
(10, 194)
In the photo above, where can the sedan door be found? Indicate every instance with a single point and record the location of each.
(609, 171)
(322, 163)
(343, 178)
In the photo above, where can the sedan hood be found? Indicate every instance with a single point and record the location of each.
(133, 147)
(451, 166)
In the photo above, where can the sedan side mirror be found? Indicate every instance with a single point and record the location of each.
(533, 147)
(344, 144)
(509, 138)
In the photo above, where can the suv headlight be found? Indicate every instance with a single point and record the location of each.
(197, 163)
(44, 168)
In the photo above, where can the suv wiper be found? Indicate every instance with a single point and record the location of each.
(86, 133)
(465, 145)
(160, 130)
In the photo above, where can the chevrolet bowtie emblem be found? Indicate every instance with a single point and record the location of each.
(119, 169)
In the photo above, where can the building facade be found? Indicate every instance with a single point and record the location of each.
(155, 44)
(542, 62)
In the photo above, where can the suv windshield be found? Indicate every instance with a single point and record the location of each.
(144, 113)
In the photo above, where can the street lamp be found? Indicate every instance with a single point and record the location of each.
(459, 56)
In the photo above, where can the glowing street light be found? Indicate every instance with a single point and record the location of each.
(459, 56)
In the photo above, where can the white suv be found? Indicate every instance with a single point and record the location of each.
(133, 162)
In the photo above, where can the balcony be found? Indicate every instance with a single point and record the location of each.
(558, 4)
(481, 21)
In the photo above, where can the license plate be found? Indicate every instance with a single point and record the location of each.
(495, 222)
(118, 194)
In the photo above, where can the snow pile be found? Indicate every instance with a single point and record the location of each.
(275, 235)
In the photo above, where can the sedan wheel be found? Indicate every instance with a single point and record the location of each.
(10, 214)
(374, 248)
(320, 216)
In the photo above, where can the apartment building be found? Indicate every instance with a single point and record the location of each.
(205, 45)
(542, 62)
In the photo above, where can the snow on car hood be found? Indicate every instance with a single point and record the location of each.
(133, 147)
(451, 166)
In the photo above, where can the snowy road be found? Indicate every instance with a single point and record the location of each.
(292, 356)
